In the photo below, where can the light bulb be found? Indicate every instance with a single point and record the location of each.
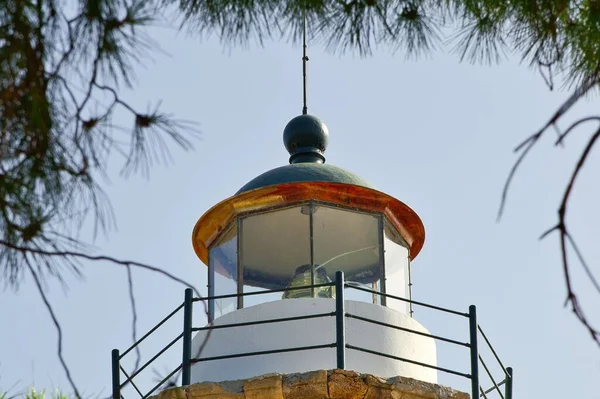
(302, 278)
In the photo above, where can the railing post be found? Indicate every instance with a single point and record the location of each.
(474, 352)
(340, 320)
(508, 386)
(187, 337)
(116, 374)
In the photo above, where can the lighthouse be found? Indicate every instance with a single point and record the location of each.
(309, 271)
(309, 295)
(290, 233)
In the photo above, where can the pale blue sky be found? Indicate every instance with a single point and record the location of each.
(436, 134)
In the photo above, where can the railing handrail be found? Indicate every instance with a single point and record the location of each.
(507, 371)
(261, 292)
(493, 350)
(340, 344)
(156, 356)
(496, 386)
(437, 337)
(331, 284)
(402, 359)
(268, 321)
(163, 321)
(427, 305)
(493, 388)
(265, 352)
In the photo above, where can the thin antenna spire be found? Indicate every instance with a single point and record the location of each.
(304, 61)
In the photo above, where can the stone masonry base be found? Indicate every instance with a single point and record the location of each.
(322, 384)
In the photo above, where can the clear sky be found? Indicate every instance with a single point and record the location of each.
(436, 134)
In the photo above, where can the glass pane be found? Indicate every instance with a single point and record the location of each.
(349, 241)
(261, 298)
(223, 267)
(396, 269)
(275, 248)
(376, 286)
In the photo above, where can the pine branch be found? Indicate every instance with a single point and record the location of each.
(40, 289)
(75, 256)
(565, 237)
(58, 144)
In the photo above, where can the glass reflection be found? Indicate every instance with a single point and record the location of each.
(348, 240)
(274, 246)
(222, 272)
(396, 269)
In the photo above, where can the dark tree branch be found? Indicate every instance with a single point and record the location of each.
(565, 237)
(56, 325)
(138, 354)
(81, 255)
(583, 263)
(528, 143)
(75, 256)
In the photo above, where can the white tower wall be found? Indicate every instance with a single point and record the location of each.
(309, 332)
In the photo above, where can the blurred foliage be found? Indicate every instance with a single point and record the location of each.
(62, 64)
(33, 394)
(61, 67)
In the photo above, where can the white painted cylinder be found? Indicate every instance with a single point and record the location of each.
(308, 332)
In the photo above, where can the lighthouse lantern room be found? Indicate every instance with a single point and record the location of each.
(273, 250)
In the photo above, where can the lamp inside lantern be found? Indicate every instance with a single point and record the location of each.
(303, 278)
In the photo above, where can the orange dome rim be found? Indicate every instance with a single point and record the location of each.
(217, 219)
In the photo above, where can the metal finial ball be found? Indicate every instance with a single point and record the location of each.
(306, 137)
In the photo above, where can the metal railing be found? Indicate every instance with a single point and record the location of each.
(340, 345)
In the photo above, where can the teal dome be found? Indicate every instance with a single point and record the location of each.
(305, 137)
(303, 173)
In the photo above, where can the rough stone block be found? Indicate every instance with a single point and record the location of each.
(311, 385)
(415, 389)
(321, 384)
(344, 384)
(172, 393)
(268, 387)
(378, 388)
(213, 390)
